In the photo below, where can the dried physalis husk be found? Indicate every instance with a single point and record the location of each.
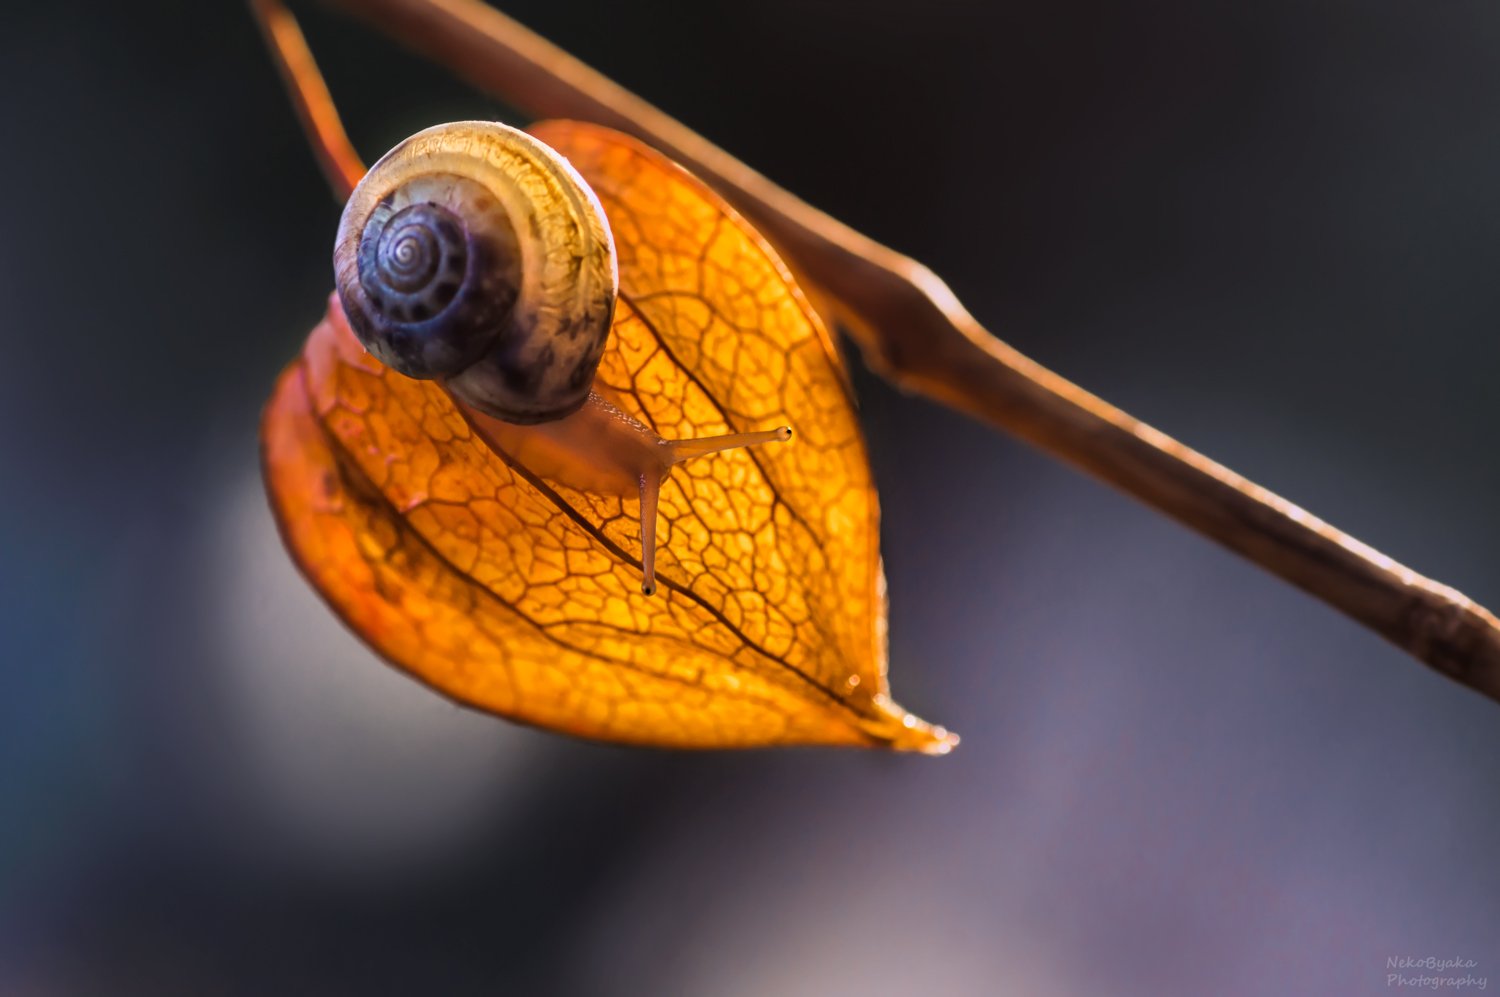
(521, 596)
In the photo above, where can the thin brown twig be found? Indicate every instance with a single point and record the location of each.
(913, 331)
(320, 120)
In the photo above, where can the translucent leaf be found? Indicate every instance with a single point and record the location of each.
(521, 596)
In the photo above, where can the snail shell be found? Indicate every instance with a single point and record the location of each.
(475, 254)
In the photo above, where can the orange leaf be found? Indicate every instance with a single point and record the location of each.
(521, 596)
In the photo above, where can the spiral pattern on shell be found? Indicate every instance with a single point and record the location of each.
(473, 253)
(415, 260)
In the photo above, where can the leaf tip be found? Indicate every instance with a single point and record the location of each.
(925, 738)
(901, 730)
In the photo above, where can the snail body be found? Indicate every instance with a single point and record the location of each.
(475, 255)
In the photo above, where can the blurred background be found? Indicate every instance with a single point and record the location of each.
(1269, 229)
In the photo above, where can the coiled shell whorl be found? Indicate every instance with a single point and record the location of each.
(475, 254)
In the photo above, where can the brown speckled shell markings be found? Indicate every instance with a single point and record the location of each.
(529, 361)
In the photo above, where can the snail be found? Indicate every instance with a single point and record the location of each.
(474, 255)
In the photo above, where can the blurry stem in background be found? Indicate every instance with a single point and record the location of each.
(916, 334)
(320, 119)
